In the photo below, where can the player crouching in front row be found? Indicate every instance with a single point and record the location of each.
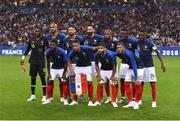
(132, 74)
(59, 63)
(106, 73)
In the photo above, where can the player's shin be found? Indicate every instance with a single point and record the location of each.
(134, 91)
(60, 88)
(128, 91)
(43, 83)
(99, 92)
(153, 89)
(33, 85)
(90, 91)
(114, 92)
(122, 88)
(138, 92)
(107, 89)
(50, 89)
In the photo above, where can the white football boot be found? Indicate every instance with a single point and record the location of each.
(154, 104)
(136, 106)
(73, 103)
(114, 104)
(33, 97)
(90, 103)
(108, 100)
(65, 102)
(131, 104)
(97, 104)
(43, 99)
(61, 99)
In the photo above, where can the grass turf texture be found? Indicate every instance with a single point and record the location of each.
(14, 90)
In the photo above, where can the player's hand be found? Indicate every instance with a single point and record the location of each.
(112, 78)
(100, 78)
(22, 62)
(163, 67)
(23, 68)
(137, 82)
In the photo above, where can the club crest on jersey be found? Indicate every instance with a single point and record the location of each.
(130, 45)
(95, 41)
(32, 45)
(107, 60)
(145, 47)
(86, 42)
(84, 54)
(58, 57)
(58, 41)
(67, 44)
(112, 45)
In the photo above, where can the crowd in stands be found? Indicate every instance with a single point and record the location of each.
(162, 24)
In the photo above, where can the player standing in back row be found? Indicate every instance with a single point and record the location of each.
(145, 47)
(55, 35)
(92, 39)
(37, 45)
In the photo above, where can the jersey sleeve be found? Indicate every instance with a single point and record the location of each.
(28, 48)
(96, 58)
(71, 55)
(133, 63)
(152, 45)
(88, 48)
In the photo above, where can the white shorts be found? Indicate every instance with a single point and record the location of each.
(130, 75)
(85, 70)
(149, 75)
(123, 69)
(106, 74)
(93, 68)
(56, 73)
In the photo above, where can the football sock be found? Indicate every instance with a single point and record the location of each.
(99, 92)
(107, 88)
(114, 93)
(90, 91)
(33, 85)
(128, 91)
(153, 89)
(60, 88)
(122, 88)
(134, 90)
(138, 92)
(50, 90)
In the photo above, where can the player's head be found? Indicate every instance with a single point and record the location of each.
(90, 30)
(120, 47)
(124, 34)
(101, 48)
(38, 31)
(142, 35)
(71, 30)
(53, 28)
(108, 34)
(76, 45)
(53, 44)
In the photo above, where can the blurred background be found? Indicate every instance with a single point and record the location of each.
(160, 18)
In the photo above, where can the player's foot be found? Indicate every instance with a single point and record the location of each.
(81, 99)
(90, 103)
(73, 103)
(131, 104)
(140, 102)
(33, 97)
(65, 102)
(51, 98)
(46, 102)
(136, 106)
(122, 100)
(97, 104)
(108, 100)
(43, 99)
(154, 104)
(61, 99)
(114, 104)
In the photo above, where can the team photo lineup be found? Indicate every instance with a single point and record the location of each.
(76, 61)
(89, 59)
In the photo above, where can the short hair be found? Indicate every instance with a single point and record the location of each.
(40, 28)
(102, 44)
(72, 26)
(90, 25)
(120, 43)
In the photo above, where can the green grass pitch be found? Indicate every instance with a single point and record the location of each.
(15, 89)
